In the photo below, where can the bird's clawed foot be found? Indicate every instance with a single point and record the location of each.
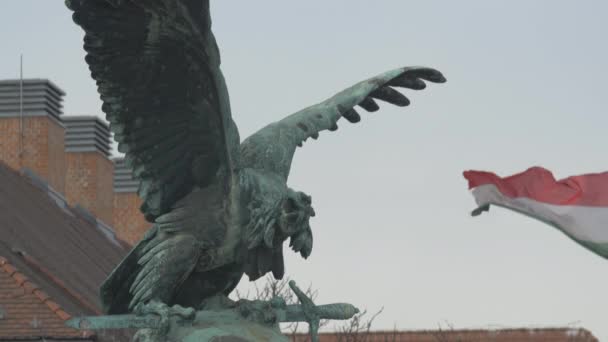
(217, 302)
(164, 312)
(260, 311)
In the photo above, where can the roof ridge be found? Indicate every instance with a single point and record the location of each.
(31, 261)
(30, 287)
(548, 328)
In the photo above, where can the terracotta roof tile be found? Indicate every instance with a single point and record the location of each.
(8, 269)
(19, 278)
(41, 295)
(63, 315)
(67, 239)
(29, 312)
(68, 259)
(29, 287)
(52, 305)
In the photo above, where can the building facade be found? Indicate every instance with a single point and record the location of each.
(71, 153)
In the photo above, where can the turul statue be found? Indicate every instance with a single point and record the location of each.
(219, 207)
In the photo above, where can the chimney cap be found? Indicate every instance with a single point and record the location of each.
(86, 118)
(123, 177)
(87, 133)
(41, 97)
(32, 81)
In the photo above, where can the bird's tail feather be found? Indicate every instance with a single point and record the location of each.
(114, 291)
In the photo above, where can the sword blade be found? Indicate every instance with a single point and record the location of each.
(337, 311)
(291, 313)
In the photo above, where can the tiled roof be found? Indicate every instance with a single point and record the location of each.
(28, 312)
(478, 335)
(54, 246)
(48, 242)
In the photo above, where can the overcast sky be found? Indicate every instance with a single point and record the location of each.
(525, 87)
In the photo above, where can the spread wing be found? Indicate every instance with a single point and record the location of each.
(272, 148)
(156, 65)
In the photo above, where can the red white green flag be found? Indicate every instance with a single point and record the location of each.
(577, 206)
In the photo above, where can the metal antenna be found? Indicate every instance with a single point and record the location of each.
(21, 110)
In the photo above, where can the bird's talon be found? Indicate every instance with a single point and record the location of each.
(186, 313)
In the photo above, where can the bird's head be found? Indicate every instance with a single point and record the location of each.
(294, 221)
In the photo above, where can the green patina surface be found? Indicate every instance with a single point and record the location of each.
(251, 320)
(219, 208)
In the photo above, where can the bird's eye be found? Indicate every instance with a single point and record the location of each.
(293, 218)
(305, 198)
(290, 205)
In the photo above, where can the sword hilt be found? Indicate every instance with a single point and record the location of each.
(313, 313)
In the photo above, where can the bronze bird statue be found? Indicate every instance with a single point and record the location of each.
(219, 208)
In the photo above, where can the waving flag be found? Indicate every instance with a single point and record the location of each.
(578, 205)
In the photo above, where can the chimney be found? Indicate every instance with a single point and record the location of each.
(32, 136)
(129, 223)
(89, 171)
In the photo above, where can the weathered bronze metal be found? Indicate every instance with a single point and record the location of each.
(219, 208)
(162, 322)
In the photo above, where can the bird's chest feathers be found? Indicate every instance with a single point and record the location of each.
(220, 226)
(238, 217)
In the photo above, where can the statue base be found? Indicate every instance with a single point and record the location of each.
(219, 319)
(224, 326)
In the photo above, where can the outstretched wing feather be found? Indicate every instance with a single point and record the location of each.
(156, 65)
(272, 148)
